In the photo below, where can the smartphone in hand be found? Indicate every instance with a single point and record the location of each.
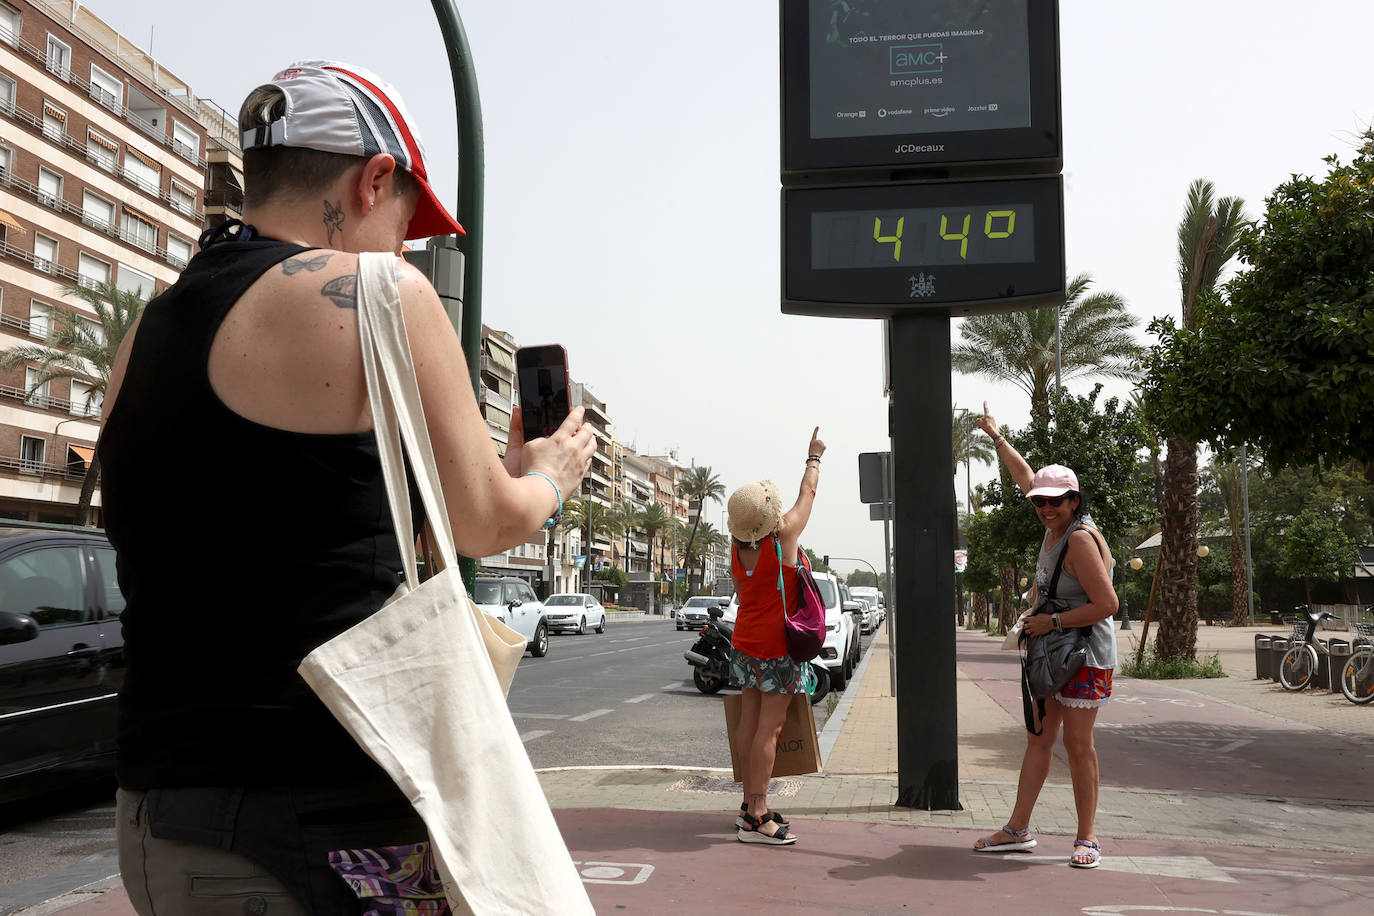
(542, 375)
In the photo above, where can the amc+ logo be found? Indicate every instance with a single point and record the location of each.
(908, 59)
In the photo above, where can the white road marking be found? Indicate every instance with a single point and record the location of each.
(673, 686)
(641, 698)
(613, 872)
(589, 715)
(1199, 868)
(1326, 876)
(530, 736)
(538, 715)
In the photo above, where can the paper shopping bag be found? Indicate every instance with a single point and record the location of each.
(798, 751)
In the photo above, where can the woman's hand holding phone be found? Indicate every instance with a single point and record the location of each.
(565, 456)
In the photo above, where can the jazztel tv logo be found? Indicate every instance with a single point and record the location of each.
(904, 60)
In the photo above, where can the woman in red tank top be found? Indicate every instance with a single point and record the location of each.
(763, 556)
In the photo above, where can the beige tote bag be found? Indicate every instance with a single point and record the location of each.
(421, 684)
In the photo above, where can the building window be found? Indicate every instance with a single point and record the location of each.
(142, 170)
(6, 94)
(101, 150)
(44, 253)
(185, 141)
(31, 454)
(59, 58)
(40, 324)
(178, 251)
(35, 395)
(138, 230)
(4, 160)
(136, 282)
(97, 211)
(183, 200)
(49, 187)
(106, 89)
(9, 24)
(91, 272)
(54, 122)
(85, 402)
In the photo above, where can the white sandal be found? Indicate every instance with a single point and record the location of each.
(1022, 841)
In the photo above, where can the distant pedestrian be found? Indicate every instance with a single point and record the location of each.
(763, 560)
(1085, 585)
(238, 790)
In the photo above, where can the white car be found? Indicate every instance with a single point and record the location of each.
(512, 601)
(875, 601)
(692, 615)
(574, 613)
(841, 647)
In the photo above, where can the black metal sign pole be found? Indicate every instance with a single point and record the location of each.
(927, 720)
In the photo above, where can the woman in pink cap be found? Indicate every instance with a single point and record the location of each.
(1085, 585)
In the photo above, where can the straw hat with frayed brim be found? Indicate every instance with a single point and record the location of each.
(755, 511)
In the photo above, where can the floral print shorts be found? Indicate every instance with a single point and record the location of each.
(770, 675)
(1090, 687)
(393, 880)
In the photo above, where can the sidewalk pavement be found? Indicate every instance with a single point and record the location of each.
(1295, 837)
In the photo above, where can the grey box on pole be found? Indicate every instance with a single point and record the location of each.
(880, 512)
(871, 468)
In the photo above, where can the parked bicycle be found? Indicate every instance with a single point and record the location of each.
(1357, 676)
(1298, 668)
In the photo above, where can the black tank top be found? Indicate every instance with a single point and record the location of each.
(241, 548)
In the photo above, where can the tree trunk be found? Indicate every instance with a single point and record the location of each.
(83, 504)
(1177, 603)
(1006, 604)
(979, 614)
(1240, 595)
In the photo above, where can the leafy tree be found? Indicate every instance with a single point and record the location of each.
(1208, 237)
(1283, 356)
(1315, 547)
(700, 484)
(1019, 347)
(76, 351)
(654, 521)
(627, 516)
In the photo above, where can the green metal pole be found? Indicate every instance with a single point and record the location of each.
(471, 199)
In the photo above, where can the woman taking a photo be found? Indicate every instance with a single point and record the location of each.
(1085, 586)
(763, 561)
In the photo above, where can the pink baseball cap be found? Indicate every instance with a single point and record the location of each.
(1053, 480)
(339, 108)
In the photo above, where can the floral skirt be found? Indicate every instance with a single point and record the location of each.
(1090, 688)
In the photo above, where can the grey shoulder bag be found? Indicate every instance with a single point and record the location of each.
(1050, 661)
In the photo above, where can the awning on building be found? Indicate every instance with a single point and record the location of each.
(138, 214)
(9, 221)
(149, 161)
(98, 140)
(80, 453)
(236, 177)
(56, 113)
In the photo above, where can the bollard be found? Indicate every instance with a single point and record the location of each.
(1321, 679)
(1278, 645)
(1340, 654)
(1263, 666)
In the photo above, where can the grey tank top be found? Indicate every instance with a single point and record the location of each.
(1102, 635)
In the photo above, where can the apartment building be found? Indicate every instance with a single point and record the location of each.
(102, 176)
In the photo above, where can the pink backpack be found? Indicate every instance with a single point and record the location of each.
(805, 626)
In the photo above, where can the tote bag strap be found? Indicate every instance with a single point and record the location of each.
(397, 414)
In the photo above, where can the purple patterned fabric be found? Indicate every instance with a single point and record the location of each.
(393, 880)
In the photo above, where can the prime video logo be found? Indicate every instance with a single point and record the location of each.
(904, 60)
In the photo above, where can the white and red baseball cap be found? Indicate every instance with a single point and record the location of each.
(339, 108)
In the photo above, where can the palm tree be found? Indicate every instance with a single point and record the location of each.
(1019, 347)
(594, 520)
(76, 351)
(1228, 473)
(970, 444)
(700, 484)
(707, 541)
(626, 515)
(1208, 236)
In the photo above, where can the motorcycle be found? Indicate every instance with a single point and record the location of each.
(710, 660)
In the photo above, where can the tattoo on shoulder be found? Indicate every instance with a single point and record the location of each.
(342, 291)
(294, 266)
(333, 218)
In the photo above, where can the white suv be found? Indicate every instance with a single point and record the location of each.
(841, 645)
(513, 602)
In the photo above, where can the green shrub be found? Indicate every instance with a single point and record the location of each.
(1154, 667)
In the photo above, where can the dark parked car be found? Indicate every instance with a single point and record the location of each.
(61, 655)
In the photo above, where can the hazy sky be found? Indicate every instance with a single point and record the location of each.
(632, 187)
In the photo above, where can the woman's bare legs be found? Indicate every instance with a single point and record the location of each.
(759, 747)
(1083, 770)
(744, 734)
(1035, 768)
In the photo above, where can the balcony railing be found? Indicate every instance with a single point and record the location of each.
(99, 157)
(113, 105)
(28, 188)
(41, 469)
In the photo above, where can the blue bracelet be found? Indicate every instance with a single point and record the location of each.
(558, 513)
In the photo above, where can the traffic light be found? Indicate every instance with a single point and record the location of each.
(825, 560)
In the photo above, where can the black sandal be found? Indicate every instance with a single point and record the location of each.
(751, 832)
(744, 810)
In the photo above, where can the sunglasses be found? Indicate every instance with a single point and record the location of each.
(1042, 501)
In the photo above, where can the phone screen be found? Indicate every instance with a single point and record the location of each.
(542, 374)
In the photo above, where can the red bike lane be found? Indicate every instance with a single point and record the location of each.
(1161, 735)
